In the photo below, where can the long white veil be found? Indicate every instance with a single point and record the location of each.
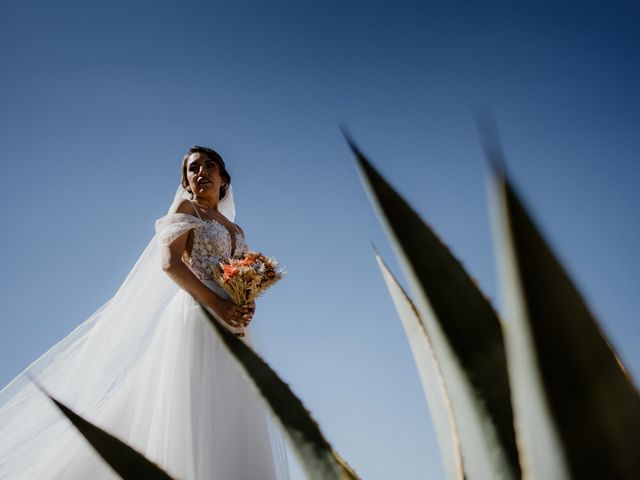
(88, 366)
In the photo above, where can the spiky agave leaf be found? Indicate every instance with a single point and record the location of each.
(128, 463)
(430, 374)
(465, 332)
(577, 411)
(316, 455)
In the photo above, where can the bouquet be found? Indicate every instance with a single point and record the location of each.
(246, 277)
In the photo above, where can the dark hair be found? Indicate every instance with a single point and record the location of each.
(212, 155)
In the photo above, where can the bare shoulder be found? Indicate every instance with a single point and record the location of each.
(184, 206)
(240, 230)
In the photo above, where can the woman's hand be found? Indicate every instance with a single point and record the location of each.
(237, 316)
(251, 310)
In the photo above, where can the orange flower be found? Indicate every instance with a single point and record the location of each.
(246, 276)
(229, 271)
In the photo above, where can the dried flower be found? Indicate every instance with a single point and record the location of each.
(247, 277)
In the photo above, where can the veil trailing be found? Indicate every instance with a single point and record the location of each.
(87, 367)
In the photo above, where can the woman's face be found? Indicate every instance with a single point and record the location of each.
(203, 175)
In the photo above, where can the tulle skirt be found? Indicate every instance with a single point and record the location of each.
(186, 406)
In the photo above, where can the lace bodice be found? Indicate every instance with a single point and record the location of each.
(212, 241)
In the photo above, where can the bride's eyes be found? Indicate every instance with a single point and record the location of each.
(195, 168)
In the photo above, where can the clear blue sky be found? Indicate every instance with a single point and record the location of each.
(98, 101)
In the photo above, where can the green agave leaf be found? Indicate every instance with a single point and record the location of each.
(127, 462)
(465, 332)
(316, 455)
(430, 374)
(577, 411)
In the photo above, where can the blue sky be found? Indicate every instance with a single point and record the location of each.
(99, 100)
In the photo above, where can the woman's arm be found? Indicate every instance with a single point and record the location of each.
(174, 266)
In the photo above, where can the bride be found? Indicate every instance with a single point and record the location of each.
(147, 367)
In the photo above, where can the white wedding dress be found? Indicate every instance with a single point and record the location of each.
(174, 393)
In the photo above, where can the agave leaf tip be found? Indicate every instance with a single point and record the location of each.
(487, 128)
(352, 145)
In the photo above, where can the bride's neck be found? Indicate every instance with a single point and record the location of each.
(207, 202)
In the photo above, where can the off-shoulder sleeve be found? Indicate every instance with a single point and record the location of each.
(171, 226)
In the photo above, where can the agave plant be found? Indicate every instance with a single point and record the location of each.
(431, 376)
(553, 375)
(577, 410)
(463, 330)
